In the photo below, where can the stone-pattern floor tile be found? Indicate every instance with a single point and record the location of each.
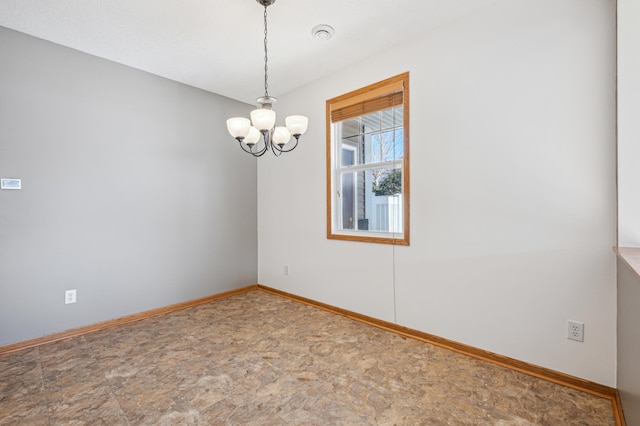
(256, 358)
(22, 399)
(75, 390)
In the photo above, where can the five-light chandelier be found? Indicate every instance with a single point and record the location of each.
(247, 132)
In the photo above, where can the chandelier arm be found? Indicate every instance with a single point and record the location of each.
(261, 153)
(281, 150)
(252, 152)
(266, 139)
(294, 145)
(276, 151)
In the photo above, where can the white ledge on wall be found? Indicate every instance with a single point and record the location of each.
(630, 256)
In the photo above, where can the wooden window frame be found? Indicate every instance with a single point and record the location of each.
(375, 97)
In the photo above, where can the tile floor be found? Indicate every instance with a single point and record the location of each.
(257, 358)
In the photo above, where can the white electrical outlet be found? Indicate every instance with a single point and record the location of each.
(69, 296)
(286, 269)
(575, 331)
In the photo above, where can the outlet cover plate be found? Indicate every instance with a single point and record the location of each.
(575, 331)
(69, 297)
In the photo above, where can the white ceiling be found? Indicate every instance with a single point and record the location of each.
(217, 45)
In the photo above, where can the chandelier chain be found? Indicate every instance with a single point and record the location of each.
(266, 57)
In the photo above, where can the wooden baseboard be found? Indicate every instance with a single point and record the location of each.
(118, 321)
(617, 410)
(513, 364)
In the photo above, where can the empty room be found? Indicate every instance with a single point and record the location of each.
(314, 213)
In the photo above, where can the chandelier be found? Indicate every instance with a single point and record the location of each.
(247, 132)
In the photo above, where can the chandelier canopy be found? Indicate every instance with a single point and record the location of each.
(263, 119)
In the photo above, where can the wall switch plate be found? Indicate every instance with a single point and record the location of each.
(575, 331)
(69, 296)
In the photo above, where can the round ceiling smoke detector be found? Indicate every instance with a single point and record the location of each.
(322, 32)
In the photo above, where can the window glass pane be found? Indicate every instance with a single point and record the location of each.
(348, 200)
(350, 128)
(371, 122)
(348, 157)
(385, 146)
(399, 115)
(371, 200)
(387, 119)
(377, 137)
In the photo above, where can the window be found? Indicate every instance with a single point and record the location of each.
(368, 163)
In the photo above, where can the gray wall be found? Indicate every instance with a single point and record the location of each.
(133, 192)
(629, 343)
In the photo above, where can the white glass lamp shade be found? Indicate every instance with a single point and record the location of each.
(238, 126)
(263, 119)
(281, 136)
(252, 137)
(297, 124)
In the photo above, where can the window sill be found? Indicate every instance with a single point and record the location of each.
(630, 256)
(398, 240)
